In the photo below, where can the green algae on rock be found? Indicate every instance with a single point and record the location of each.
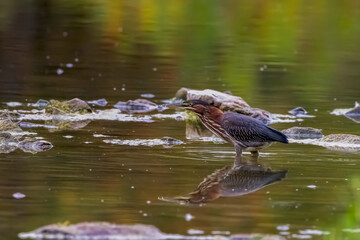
(74, 105)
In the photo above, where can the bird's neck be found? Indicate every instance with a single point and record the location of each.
(215, 114)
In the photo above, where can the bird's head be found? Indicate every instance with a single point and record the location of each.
(196, 106)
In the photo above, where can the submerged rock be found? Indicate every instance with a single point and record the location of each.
(33, 146)
(147, 95)
(75, 105)
(351, 113)
(94, 230)
(231, 181)
(100, 102)
(224, 101)
(6, 125)
(109, 231)
(136, 106)
(354, 114)
(6, 114)
(41, 104)
(342, 138)
(165, 142)
(256, 237)
(355, 111)
(7, 143)
(303, 133)
(337, 142)
(10, 139)
(298, 111)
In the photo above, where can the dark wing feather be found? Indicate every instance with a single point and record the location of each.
(247, 129)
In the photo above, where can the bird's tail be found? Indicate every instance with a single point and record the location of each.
(277, 136)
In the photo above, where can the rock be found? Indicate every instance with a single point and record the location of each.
(303, 133)
(6, 114)
(351, 113)
(136, 106)
(336, 142)
(95, 230)
(171, 141)
(256, 237)
(147, 95)
(224, 101)
(6, 137)
(354, 114)
(355, 111)
(6, 125)
(75, 105)
(298, 111)
(100, 102)
(262, 115)
(33, 146)
(7, 142)
(14, 104)
(181, 93)
(41, 104)
(166, 142)
(342, 138)
(10, 135)
(107, 231)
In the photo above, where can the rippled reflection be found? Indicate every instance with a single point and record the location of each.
(245, 176)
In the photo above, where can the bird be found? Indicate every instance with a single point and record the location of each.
(244, 132)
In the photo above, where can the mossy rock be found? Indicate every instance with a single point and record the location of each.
(75, 105)
(6, 125)
(6, 114)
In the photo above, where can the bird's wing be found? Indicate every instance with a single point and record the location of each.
(246, 129)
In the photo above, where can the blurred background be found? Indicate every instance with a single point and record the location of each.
(252, 48)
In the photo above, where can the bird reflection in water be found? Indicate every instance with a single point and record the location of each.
(241, 178)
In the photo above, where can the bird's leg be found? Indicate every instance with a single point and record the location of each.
(238, 149)
(238, 160)
(255, 153)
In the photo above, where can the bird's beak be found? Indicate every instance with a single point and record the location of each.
(186, 105)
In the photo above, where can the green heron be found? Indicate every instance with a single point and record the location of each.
(246, 133)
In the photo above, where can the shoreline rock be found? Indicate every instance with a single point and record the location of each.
(74, 105)
(225, 102)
